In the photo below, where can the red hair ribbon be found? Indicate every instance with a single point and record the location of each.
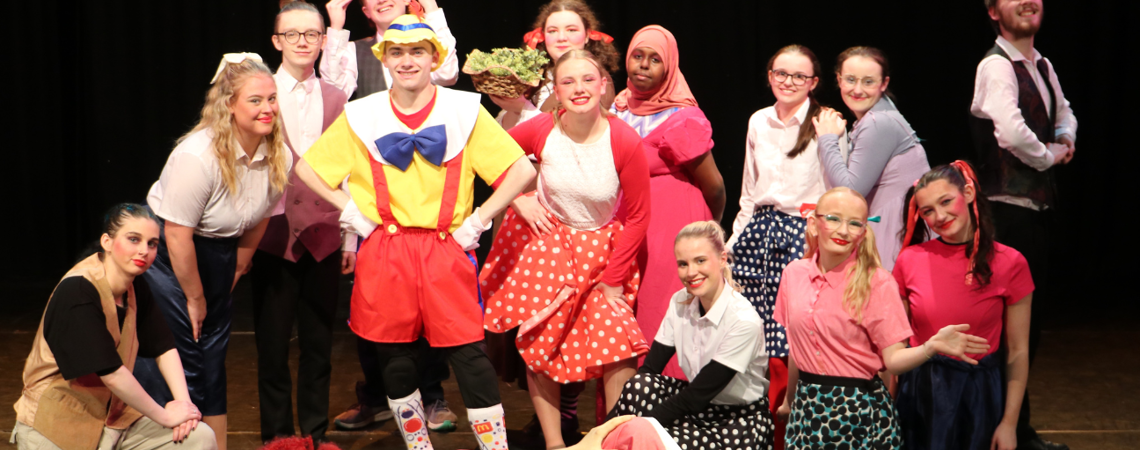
(968, 173)
(806, 209)
(600, 36)
(534, 37)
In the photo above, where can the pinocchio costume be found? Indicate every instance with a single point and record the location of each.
(411, 180)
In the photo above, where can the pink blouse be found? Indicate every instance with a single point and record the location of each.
(823, 338)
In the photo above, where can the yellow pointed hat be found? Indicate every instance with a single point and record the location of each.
(409, 29)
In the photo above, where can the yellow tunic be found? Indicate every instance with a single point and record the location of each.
(415, 194)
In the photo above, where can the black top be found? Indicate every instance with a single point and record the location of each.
(75, 328)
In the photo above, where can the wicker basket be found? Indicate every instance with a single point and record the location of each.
(509, 86)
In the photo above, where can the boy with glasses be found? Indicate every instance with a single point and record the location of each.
(296, 270)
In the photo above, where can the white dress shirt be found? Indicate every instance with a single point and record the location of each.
(339, 63)
(190, 191)
(770, 176)
(302, 110)
(995, 98)
(731, 333)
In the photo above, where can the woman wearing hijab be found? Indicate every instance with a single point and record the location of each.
(684, 182)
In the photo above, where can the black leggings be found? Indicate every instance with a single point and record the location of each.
(477, 380)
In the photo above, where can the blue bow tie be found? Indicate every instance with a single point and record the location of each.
(397, 148)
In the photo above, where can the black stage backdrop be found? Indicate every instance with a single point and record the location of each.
(100, 91)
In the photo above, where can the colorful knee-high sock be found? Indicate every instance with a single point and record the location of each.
(412, 421)
(490, 427)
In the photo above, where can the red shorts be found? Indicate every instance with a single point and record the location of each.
(415, 282)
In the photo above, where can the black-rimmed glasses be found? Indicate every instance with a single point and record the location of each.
(292, 36)
(798, 79)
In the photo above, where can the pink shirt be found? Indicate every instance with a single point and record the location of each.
(822, 337)
(931, 277)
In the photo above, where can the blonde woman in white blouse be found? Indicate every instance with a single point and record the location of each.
(215, 196)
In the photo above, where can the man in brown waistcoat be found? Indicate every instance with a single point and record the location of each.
(1023, 128)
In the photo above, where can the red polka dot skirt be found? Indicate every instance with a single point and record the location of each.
(545, 285)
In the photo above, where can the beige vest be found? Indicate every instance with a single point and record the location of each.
(72, 414)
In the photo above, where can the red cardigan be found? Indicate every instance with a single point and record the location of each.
(633, 173)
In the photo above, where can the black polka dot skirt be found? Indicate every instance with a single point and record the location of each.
(769, 242)
(836, 413)
(727, 427)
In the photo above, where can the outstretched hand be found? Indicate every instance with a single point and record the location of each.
(951, 341)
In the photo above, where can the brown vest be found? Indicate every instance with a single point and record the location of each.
(72, 413)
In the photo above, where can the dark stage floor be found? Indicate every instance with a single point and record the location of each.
(1083, 386)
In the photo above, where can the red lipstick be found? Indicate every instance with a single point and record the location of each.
(840, 241)
(139, 262)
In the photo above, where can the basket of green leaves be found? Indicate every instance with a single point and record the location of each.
(505, 72)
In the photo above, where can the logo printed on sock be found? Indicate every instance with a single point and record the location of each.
(413, 425)
(483, 427)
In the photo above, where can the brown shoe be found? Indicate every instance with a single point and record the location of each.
(359, 416)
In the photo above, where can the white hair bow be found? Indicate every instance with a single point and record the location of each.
(233, 58)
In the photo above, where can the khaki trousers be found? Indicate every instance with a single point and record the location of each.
(144, 434)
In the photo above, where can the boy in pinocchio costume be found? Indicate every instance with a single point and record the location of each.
(411, 154)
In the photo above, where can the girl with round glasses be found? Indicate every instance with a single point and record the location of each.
(781, 172)
(886, 156)
(845, 323)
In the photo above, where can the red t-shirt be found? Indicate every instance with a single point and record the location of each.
(932, 279)
(414, 120)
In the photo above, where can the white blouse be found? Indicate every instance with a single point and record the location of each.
(579, 183)
(190, 192)
(770, 176)
(731, 333)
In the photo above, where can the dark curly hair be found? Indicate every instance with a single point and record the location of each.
(605, 53)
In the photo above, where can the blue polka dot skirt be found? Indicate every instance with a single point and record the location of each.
(767, 244)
